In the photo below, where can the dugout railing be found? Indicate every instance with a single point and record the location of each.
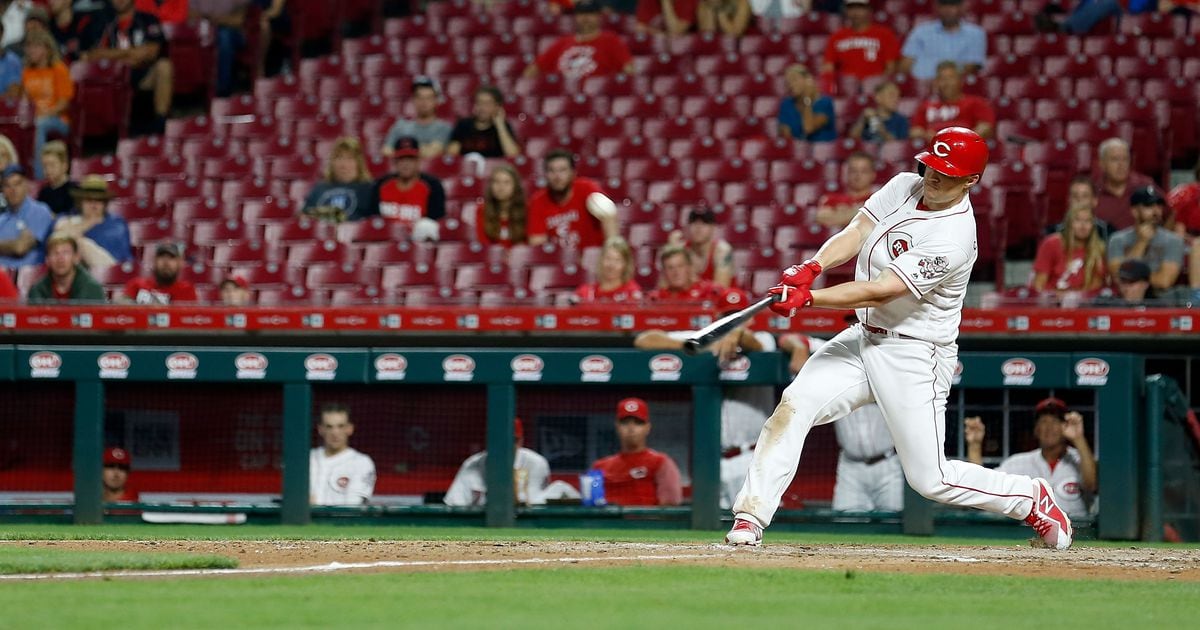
(80, 377)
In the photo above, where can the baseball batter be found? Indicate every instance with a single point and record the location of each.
(915, 243)
(338, 474)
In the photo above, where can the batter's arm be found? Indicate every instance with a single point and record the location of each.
(863, 293)
(845, 244)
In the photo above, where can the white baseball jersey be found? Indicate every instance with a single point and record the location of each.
(932, 252)
(347, 478)
(863, 485)
(530, 474)
(1064, 478)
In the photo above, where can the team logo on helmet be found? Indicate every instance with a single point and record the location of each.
(941, 149)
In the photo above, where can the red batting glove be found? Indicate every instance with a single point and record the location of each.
(791, 299)
(801, 275)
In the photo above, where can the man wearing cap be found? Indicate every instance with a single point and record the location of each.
(861, 49)
(66, 280)
(116, 475)
(432, 133)
(166, 287)
(407, 196)
(531, 472)
(590, 51)
(137, 39)
(949, 107)
(948, 38)
(1148, 241)
(564, 212)
(1116, 182)
(25, 223)
(712, 257)
(638, 475)
(1063, 456)
(103, 237)
(678, 281)
(235, 291)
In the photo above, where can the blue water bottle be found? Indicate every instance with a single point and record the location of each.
(591, 488)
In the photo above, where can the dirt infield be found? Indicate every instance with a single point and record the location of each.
(284, 557)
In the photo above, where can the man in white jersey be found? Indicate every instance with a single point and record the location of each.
(869, 476)
(531, 472)
(338, 474)
(915, 243)
(1070, 470)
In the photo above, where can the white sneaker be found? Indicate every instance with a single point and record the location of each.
(1049, 520)
(745, 533)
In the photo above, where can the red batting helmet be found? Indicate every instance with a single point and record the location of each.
(957, 152)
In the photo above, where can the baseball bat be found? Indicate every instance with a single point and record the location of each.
(708, 335)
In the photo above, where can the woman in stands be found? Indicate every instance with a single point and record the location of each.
(346, 192)
(48, 85)
(1073, 259)
(502, 219)
(57, 188)
(613, 274)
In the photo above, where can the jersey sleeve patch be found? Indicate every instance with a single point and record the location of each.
(927, 265)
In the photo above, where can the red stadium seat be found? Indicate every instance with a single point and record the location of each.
(686, 191)
(492, 276)
(624, 148)
(739, 128)
(272, 210)
(759, 193)
(402, 252)
(1153, 25)
(709, 106)
(701, 148)
(1076, 66)
(766, 44)
(645, 107)
(405, 276)
(170, 190)
(659, 169)
(342, 276)
(543, 279)
(310, 254)
(770, 149)
(798, 172)
(1010, 65)
(373, 230)
(289, 109)
(732, 170)
(150, 231)
(248, 254)
(1042, 46)
(172, 168)
(610, 86)
(1142, 68)
(227, 168)
(304, 167)
(186, 211)
(210, 233)
(101, 104)
(300, 230)
(1036, 87)
(108, 166)
(1065, 111)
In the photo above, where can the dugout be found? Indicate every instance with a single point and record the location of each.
(207, 423)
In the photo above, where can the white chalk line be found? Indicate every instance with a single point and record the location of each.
(350, 566)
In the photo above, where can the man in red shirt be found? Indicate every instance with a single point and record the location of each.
(951, 108)
(679, 283)
(408, 196)
(116, 475)
(165, 287)
(678, 16)
(560, 212)
(861, 49)
(835, 210)
(1184, 201)
(712, 256)
(589, 52)
(638, 475)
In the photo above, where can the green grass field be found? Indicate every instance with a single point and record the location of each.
(42, 560)
(648, 595)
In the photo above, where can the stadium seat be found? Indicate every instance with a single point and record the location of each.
(546, 278)
(267, 211)
(248, 254)
(309, 254)
(211, 233)
(342, 276)
(299, 230)
(740, 128)
(758, 193)
(101, 104)
(186, 211)
(770, 149)
(406, 276)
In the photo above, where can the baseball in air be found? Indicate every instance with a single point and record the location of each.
(601, 206)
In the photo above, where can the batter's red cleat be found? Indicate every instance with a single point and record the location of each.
(745, 533)
(1049, 520)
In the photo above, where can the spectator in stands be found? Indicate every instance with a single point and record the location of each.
(75, 31)
(504, 216)
(861, 49)
(666, 17)
(1184, 201)
(1085, 16)
(1116, 181)
(486, 131)
(136, 39)
(531, 474)
(8, 154)
(166, 287)
(47, 83)
(346, 191)
(679, 282)
(228, 18)
(273, 24)
(712, 256)
(407, 196)
(882, 123)
(167, 11)
(1082, 192)
(835, 210)
(235, 291)
(590, 51)
(66, 280)
(432, 132)
(948, 38)
(338, 474)
(949, 107)
(12, 15)
(11, 69)
(723, 17)
(613, 276)
(638, 475)
(1148, 241)
(116, 475)
(1133, 286)
(103, 237)
(25, 222)
(561, 212)
(1072, 259)
(57, 188)
(38, 19)
(805, 113)
(1063, 457)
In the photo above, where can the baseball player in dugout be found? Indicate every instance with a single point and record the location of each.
(1063, 456)
(338, 474)
(531, 471)
(116, 475)
(638, 475)
(915, 244)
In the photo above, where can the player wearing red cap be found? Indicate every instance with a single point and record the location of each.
(638, 475)
(915, 244)
(116, 475)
